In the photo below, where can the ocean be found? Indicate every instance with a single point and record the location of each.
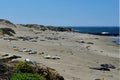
(108, 31)
(98, 30)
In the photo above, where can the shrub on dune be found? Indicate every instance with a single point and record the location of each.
(24, 67)
(27, 76)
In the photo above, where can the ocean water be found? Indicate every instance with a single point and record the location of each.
(111, 31)
(98, 30)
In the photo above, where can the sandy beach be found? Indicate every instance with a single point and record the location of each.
(78, 52)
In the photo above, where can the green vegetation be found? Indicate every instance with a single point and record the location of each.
(24, 71)
(43, 28)
(27, 76)
(24, 67)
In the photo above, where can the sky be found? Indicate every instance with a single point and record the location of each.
(61, 12)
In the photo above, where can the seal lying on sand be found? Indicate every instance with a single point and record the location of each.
(104, 67)
(108, 66)
(101, 68)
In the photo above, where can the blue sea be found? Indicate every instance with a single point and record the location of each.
(111, 31)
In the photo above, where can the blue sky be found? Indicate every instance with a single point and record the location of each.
(61, 12)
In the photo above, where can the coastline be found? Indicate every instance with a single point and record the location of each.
(77, 52)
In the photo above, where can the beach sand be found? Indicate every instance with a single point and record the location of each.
(78, 52)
